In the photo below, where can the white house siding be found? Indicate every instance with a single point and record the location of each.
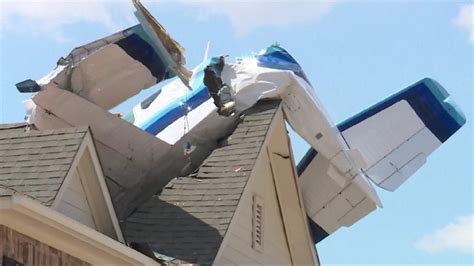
(237, 245)
(74, 203)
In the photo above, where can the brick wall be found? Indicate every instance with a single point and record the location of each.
(28, 251)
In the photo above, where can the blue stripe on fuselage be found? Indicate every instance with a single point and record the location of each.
(275, 57)
(175, 110)
(278, 58)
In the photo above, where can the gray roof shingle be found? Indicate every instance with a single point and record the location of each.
(34, 162)
(189, 218)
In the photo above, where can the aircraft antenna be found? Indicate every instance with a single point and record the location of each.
(206, 52)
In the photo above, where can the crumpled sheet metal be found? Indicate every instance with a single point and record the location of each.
(172, 52)
(112, 69)
(174, 113)
(303, 111)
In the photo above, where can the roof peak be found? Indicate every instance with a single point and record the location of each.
(188, 219)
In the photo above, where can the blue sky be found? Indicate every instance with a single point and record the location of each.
(355, 53)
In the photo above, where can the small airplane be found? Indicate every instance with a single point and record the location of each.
(175, 129)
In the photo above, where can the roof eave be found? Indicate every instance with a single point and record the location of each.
(56, 230)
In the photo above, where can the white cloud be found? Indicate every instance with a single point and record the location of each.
(456, 236)
(49, 17)
(465, 20)
(246, 16)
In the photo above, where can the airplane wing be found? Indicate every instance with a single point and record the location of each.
(112, 69)
(100, 75)
(394, 137)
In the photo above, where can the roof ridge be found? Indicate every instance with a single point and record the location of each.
(13, 125)
(4, 134)
(198, 208)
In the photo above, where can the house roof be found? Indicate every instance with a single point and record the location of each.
(15, 127)
(188, 219)
(34, 162)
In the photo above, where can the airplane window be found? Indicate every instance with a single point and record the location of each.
(149, 100)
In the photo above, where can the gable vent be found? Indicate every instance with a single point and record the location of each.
(257, 222)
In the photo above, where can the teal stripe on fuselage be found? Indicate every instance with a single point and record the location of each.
(197, 87)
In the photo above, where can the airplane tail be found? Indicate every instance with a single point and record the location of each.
(396, 135)
(394, 138)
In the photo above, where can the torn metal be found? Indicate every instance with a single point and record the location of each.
(170, 133)
(110, 70)
(192, 111)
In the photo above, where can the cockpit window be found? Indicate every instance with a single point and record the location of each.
(146, 103)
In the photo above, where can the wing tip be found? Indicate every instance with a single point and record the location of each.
(446, 101)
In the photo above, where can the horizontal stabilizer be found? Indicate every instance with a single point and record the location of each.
(389, 142)
(396, 135)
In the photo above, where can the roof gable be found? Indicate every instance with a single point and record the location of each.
(84, 195)
(60, 169)
(190, 216)
(35, 163)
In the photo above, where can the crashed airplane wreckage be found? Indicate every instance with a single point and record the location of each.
(173, 131)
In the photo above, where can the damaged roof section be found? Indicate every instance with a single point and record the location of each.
(35, 163)
(188, 219)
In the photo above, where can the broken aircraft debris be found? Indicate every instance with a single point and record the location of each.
(385, 144)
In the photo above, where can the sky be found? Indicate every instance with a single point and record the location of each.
(355, 54)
